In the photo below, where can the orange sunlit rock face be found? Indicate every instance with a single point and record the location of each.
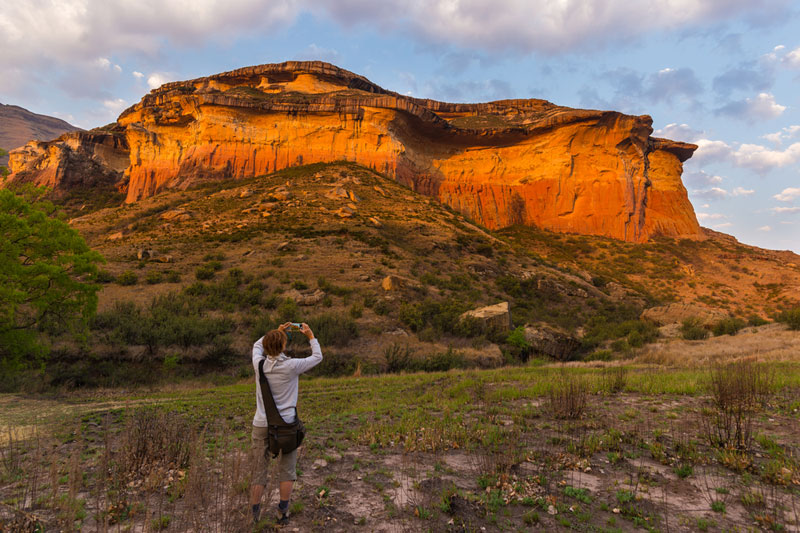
(501, 163)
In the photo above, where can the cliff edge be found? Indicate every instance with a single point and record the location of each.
(501, 163)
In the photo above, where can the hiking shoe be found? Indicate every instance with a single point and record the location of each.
(283, 518)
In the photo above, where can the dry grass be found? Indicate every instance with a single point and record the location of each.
(771, 343)
(739, 391)
(568, 396)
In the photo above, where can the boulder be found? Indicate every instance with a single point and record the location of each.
(678, 312)
(392, 283)
(547, 340)
(306, 297)
(281, 194)
(336, 193)
(114, 236)
(492, 316)
(144, 254)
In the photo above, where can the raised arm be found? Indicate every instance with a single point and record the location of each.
(304, 365)
(258, 353)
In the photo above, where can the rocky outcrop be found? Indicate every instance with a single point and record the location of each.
(18, 126)
(547, 340)
(78, 159)
(497, 316)
(500, 163)
(678, 312)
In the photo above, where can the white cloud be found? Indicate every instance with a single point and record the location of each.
(765, 228)
(710, 216)
(792, 59)
(73, 30)
(678, 132)
(761, 159)
(313, 52)
(755, 157)
(137, 74)
(741, 191)
(714, 193)
(787, 195)
(115, 105)
(723, 225)
(541, 25)
(709, 151)
(789, 210)
(762, 107)
(157, 79)
(789, 132)
(702, 178)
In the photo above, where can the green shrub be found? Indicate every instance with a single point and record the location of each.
(170, 320)
(442, 361)
(728, 326)
(288, 311)
(204, 272)
(443, 317)
(330, 288)
(756, 320)
(173, 276)
(127, 278)
(692, 329)
(382, 307)
(214, 257)
(791, 318)
(104, 276)
(154, 277)
(333, 329)
(335, 364)
(398, 358)
(356, 310)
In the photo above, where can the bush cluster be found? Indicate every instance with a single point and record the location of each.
(401, 358)
(791, 318)
(168, 321)
(435, 318)
(692, 329)
(728, 326)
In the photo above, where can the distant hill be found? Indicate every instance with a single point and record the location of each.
(18, 126)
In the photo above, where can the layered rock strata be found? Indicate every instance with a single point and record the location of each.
(500, 163)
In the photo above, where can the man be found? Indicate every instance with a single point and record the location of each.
(282, 374)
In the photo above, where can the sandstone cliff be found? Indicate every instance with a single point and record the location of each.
(500, 163)
(18, 126)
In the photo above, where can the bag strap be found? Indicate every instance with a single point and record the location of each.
(274, 417)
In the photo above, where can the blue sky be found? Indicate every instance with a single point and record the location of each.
(724, 74)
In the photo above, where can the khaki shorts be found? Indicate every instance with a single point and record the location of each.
(287, 464)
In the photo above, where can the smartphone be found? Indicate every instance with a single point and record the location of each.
(297, 325)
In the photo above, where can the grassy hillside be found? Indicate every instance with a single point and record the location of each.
(195, 277)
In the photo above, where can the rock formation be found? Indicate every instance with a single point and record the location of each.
(76, 159)
(500, 163)
(18, 126)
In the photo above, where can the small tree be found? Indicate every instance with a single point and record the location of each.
(45, 267)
